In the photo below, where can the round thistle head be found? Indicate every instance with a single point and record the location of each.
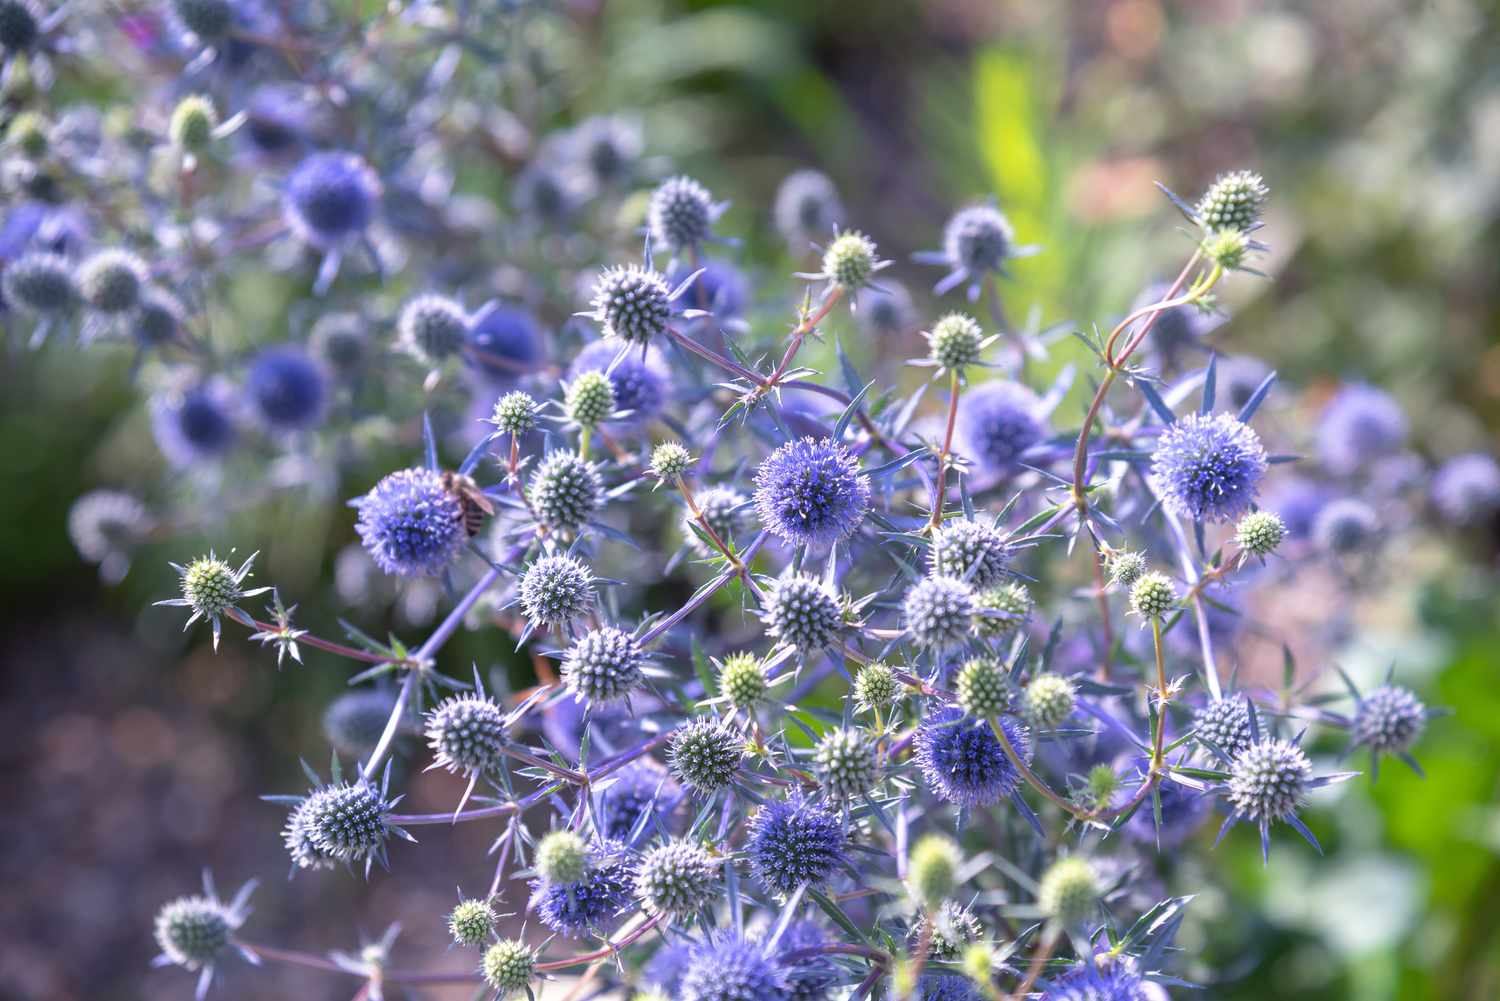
(1389, 720)
(742, 680)
(104, 523)
(792, 842)
(807, 208)
(20, 25)
(1225, 723)
(997, 422)
(210, 20)
(971, 551)
(642, 382)
(1268, 780)
(340, 341)
(956, 341)
(811, 492)
(802, 613)
(603, 665)
(1466, 489)
(1100, 788)
(590, 399)
(508, 966)
(210, 586)
(670, 460)
(1345, 526)
(562, 857)
(28, 131)
(1260, 532)
(730, 968)
(193, 931)
(287, 388)
(195, 424)
(632, 303)
(977, 240)
(331, 197)
(1048, 700)
(850, 260)
(932, 869)
(472, 922)
(1001, 611)
(503, 342)
(191, 127)
(40, 283)
(555, 590)
(704, 754)
(677, 879)
(354, 722)
(876, 688)
(939, 611)
(432, 327)
(947, 987)
(1069, 890)
(953, 928)
(1227, 248)
(983, 687)
(466, 733)
(586, 905)
(338, 822)
(681, 213)
(1153, 596)
(514, 414)
(1208, 467)
(1107, 978)
(962, 760)
(608, 146)
(848, 763)
(565, 491)
(1360, 425)
(410, 523)
(1233, 202)
(724, 508)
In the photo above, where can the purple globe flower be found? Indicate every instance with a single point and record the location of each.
(997, 422)
(1208, 467)
(1466, 489)
(410, 523)
(640, 791)
(793, 842)
(642, 384)
(1359, 425)
(503, 343)
(276, 121)
(721, 289)
(588, 905)
(287, 388)
(948, 987)
(730, 968)
(962, 760)
(811, 492)
(194, 424)
(331, 197)
(1115, 980)
(666, 967)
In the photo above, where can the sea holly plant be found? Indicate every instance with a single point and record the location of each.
(850, 674)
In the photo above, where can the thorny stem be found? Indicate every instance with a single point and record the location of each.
(294, 957)
(1034, 968)
(702, 521)
(1161, 694)
(329, 646)
(940, 490)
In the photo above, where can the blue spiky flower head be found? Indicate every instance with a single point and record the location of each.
(681, 214)
(341, 342)
(1208, 466)
(1466, 488)
(626, 805)
(608, 146)
(962, 760)
(1233, 202)
(194, 423)
(996, 423)
(1225, 723)
(556, 589)
(848, 763)
(339, 822)
(977, 240)
(811, 492)
(720, 289)
(1105, 978)
(211, 588)
(586, 905)
(1359, 425)
(432, 327)
(466, 733)
(410, 523)
(677, 879)
(938, 612)
(725, 509)
(973, 551)
(112, 280)
(503, 343)
(948, 987)
(160, 319)
(642, 382)
(803, 613)
(1345, 525)
(603, 665)
(331, 198)
(632, 303)
(287, 388)
(1389, 720)
(472, 922)
(705, 753)
(807, 208)
(795, 842)
(565, 491)
(20, 25)
(41, 283)
(194, 931)
(1069, 890)
(726, 967)
(1268, 780)
(508, 967)
(210, 20)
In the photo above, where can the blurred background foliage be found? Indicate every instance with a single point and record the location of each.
(134, 754)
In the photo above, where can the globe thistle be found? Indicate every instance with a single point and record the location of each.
(508, 967)
(705, 753)
(1100, 788)
(1268, 782)
(797, 951)
(851, 261)
(677, 879)
(962, 759)
(466, 734)
(514, 414)
(1389, 720)
(939, 612)
(1105, 978)
(953, 928)
(555, 590)
(609, 147)
(586, 905)
(665, 969)
(626, 804)
(972, 551)
(112, 281)
(807, 208)
(1153, 596)
(354, 722)
(885, 312)
(742, 680)
(642, 383)
(472, 922)
(432, 327)
(20, 25)
(1048, 700)
(932, 869)
(1183, 811)
(1208, 467)
(565, 491)
(191, 127)
(1001, 611)
(104, 525)
(876, 688)
(340, 341)
(1227, 248)
(410, 523)
(811, 492)
(1125, 567)
(562, 857)
(603, 665)
(632, 304)
(41, 283)
(589, 399)
(211, 588)
(549, 192)
(983, 687)
(794, 842)
(194, 424)
(977, 241)
(1345, 526)
(331, 198)
(1233, 202)
(1466, 489)
(947, 987)
(681, 214)
(669, 461)
(997, 422)
(210, 20)
(726, 967)
(1225, 724)
(1359, 425)
(277, 120)
(1260, 533)
(287, 389)
(848, 763)
(719, 289)
(339, 822)
(802, 613)
(194, 931)
(1069, 890)
(503, 343)
(956, 342)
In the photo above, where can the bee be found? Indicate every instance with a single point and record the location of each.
(474, 504)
